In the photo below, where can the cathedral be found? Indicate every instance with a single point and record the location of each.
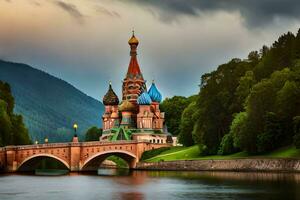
(137, 116)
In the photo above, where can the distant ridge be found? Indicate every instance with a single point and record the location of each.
(48, 104)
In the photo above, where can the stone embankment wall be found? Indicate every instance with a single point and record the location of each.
(290, 165)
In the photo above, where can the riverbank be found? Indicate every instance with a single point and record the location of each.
(193, 153)
(240, 165)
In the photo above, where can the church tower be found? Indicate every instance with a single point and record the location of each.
(137, 116)
(133, 83)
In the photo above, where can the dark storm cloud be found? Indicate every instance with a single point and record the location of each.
(254, 12)
(71, 10)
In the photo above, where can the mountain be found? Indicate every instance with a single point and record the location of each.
(49, 105)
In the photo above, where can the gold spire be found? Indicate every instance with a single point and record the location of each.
(133, 40)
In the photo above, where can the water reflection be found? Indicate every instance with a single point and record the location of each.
(113, 172)
(140, 185)
(238, 176)
(130, 196)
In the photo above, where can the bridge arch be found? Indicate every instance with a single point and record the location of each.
(91, 163)
(65, 163)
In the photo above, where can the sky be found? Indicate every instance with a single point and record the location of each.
(84, 42)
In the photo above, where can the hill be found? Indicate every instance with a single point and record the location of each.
(48, 104)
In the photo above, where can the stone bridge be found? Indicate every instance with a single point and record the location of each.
(76, 156)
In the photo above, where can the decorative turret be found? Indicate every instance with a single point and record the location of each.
(144, 99)
(110, 98)
(134, 83)
(133, 40)
(134, 68)
(126, 106)
(154, 93)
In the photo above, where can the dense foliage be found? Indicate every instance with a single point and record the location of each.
(12, 128)
(248, 105)
(93, 134)
(173, 108)
(49, 105)
(186, 127)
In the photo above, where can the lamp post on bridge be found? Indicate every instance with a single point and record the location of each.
(75, 138)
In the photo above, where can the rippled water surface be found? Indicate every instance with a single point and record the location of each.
(152, 185)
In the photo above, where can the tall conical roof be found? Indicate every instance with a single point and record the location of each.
(110, 98)
(154, 93)
(133, 68)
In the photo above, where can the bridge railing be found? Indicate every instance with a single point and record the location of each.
(37, 146)
(68, 144)
(111, 142)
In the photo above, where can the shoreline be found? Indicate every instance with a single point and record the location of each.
(234, 165)
(286, 165)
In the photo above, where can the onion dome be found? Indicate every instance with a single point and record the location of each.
(110, 98)
(144, 99)
(126, 106)
(133, 40)
(114, 115)
(154, 93)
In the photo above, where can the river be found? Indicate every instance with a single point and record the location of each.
(154, 185)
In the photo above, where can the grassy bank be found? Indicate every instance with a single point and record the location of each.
(193, 153)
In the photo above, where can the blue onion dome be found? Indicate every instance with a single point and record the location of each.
(154, 93)
(126, 106)
(144, 99)
(110, 98)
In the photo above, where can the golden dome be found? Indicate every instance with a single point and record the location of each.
(114, 115)
(133, 40)
(126, 106)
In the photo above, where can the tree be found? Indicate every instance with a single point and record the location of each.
(273, 134)
(296, 122)
(217, 102)
(238, 130)
(185, 136)
(254, 57)
(19, 131)
(93, 134)
(245, 84)
(226, 146)
(12, 128)
(5, 124)
(173, 108)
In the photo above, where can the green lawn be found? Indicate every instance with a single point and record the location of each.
(286, 152)
(193, 153)
(177, 153)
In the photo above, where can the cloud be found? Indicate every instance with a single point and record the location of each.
(71, 9)
(103, 10)
(255, 13)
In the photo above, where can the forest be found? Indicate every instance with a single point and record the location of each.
(49, 105)
(12, 128)
(250, 104)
